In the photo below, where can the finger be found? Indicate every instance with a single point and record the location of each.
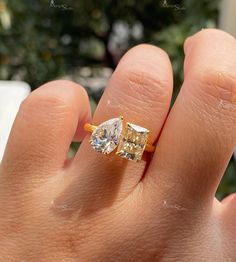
(140, 90)
(200, 133)
(43, 130)
(227, 215)
(227, 200)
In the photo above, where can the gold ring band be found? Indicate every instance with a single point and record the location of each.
(131, 141)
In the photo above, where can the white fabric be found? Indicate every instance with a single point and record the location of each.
(12, 93)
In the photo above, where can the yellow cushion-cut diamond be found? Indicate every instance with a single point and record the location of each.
(133, 142)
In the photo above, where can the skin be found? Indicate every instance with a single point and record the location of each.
(104, 208)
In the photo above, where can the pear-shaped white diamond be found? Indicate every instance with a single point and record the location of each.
(105, 138)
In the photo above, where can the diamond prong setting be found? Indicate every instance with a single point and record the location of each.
(106, 136)
(130, 141)
(133, 142)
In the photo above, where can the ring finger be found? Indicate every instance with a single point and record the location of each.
(140, 90)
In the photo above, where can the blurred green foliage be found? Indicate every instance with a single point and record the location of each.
(44, 39)
(47, 38)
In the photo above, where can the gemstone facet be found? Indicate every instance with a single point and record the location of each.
(105, 138)
(133, 141)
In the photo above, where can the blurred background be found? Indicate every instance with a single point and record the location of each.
(42, 40)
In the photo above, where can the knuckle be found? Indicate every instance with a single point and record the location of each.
(147, 83)
(36, 103)
(140, 68)
(144, 79)
(45, 104)
(219, 85)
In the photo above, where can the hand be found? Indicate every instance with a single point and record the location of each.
(99, 207)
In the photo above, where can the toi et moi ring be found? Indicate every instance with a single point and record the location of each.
(130, 140)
